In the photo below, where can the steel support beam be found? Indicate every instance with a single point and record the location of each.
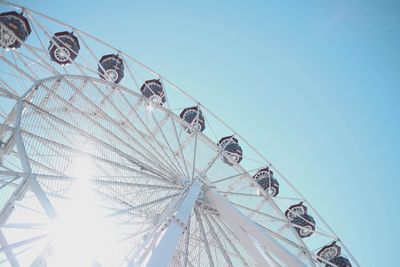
(248, 232)
(161, 249)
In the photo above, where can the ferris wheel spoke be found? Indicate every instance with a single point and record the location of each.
(54, 87)
(216, 239)
(167, 159)
(5, 94)
(134, 185)
(121, 197)
(159, 200)
(4, 171)
(148, 132)
(146, 192)
(71, 160)
(184, 143)
(29, 61)
(240, 174)
(254, 211)
(129, 70)
(136, 142)
(113, 199)
(7, 90)
(275, 234)
(179, 143)
(31, 179)
(7, 179)
(12, 163)
(241, 194)
(7, 183)
(12, 201)
(47, 66)
(107, 96)
(210, 164)
(23, 242)
(10, 256)
(50, 65)
(17, 55)
(273, 262)
(140, 233)
(151, 137)
(177, 156)
(224, 234)
(204, 237)
(44, 167)
(27, 76)
(134, 212)
(22, 81)
(37, 211)
(284, 239)
(141, 174)
(96, 140)
(183, 173)
(160, 125)
(109, 119)
(96, 158)
(220, 152)
(11, 74)
(194, 155)
(283, 221)
(23, 226)
(46, 162)
(222, 224)
(289, 198)
(93, 56)
(275, 207)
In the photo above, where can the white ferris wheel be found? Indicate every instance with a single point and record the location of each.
(104, 162)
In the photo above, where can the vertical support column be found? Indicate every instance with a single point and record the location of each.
(247, 231)
(172, 230)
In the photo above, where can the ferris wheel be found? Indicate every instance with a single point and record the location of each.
(104, 162)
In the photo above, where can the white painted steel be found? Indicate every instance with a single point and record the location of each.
(245, 228)
(173, 228)
(157, 155)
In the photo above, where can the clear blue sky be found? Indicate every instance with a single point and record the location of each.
(315, 85)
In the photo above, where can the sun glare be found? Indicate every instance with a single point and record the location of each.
(81, 235)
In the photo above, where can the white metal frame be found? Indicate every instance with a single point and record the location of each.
(160, 250)
(172, 163)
